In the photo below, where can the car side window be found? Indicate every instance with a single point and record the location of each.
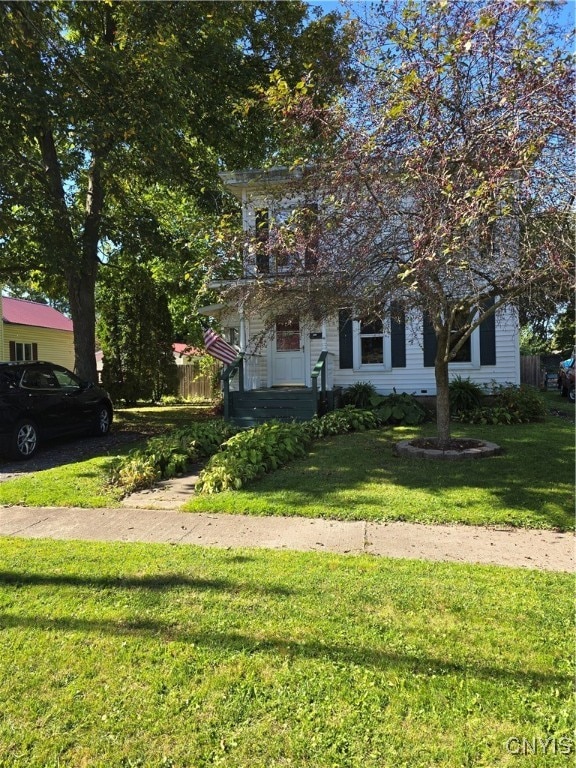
(35, 378)
(66, 379)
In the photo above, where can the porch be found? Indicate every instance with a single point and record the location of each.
(248, 407)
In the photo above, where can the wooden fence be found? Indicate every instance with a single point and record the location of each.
(531, 370)
(192, 382)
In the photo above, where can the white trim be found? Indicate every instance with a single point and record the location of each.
(386, 365)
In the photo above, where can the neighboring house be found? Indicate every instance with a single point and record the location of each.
(33, 331)
(390, 354)
(184, 354)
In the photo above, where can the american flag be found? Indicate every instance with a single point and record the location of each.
(218, 348)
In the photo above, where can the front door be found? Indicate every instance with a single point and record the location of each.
(288, 367)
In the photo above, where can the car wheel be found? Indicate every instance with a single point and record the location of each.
(103, 420)
(24, 440)
(571, 395)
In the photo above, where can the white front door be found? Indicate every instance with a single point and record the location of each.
(288, 358)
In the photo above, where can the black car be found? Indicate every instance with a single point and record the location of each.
(40, 400)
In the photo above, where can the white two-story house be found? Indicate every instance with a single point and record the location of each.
(294, 356)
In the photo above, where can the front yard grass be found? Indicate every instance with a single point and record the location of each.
(80, 484)
(120, 655)
(357, 477)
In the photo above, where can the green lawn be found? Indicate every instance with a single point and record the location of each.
(118, 655)
(357, 477)
(156, 419)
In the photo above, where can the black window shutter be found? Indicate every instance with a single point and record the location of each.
(430, 344)
(13, 351)
(398, 338)
(345, 338)
(34, 351)
(488, 338)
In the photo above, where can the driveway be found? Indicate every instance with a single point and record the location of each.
(58, 452)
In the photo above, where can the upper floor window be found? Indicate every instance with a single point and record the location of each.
(262, 217)
(285, 239)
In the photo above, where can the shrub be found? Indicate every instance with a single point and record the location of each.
(510, 405)
(465, 395)
(359, 394)
(398, 409)
(135, 472)
(347, 419)
(524, 401)
(169, 455)
(251, 454)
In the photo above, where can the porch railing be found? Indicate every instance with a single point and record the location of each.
(227, 374)
(320, 371)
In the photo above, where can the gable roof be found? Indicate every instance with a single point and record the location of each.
(24, 312)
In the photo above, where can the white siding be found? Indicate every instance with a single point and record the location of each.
(415, 377)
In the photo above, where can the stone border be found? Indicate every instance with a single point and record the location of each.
(486, 449)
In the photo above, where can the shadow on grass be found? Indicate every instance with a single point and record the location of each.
(152, 583)
(236, 642)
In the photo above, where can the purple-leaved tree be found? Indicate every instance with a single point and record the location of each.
(445, 173)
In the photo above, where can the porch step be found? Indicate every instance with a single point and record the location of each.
(259, 406)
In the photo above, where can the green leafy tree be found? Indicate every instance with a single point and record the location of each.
(98, 96)
(166, 372)
(136, 334)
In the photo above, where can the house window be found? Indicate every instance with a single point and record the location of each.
(232, 336)
(371, 334)
(372, 342)
(310, 233)
(464, 354)
(21, 352)
(479, 349)
(262, 238)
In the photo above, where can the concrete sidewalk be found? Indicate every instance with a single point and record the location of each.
(545, 550)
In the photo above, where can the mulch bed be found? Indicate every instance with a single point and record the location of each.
(455, 444)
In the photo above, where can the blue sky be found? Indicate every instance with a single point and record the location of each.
(567, 16)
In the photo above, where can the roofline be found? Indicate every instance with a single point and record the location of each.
(261, 178)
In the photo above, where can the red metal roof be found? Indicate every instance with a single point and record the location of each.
(23, 312)
(185, 350)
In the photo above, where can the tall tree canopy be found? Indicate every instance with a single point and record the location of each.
(99, 100)
(447, 170)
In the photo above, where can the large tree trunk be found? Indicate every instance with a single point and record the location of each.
(442, 393)
(79, 269)
(82, 281)
(81, 293)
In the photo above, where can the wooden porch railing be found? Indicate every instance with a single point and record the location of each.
(319, 370)
(227, 374)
